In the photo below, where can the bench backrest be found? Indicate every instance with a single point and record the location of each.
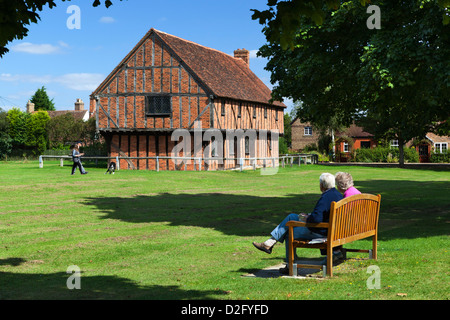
(354, 218)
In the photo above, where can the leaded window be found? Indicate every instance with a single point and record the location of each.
(159, 106)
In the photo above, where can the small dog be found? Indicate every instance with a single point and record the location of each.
(111, 168)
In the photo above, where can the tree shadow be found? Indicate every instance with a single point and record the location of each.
(409, 209)
(232, 214)
(53, 286)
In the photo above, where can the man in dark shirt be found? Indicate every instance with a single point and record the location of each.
(321, 213)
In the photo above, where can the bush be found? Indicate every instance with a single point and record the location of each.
(440, 157)
(385, 154)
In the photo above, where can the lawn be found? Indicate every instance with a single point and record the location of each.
(188, 235)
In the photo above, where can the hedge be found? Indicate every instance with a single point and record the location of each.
(384, 154)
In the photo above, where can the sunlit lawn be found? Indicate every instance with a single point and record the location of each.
(188, 235)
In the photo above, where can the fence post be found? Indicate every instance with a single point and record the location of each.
(254, 164)
(241, 164)
(157, 164)
(117, 163)
(61, 162)
(41, 162)
(199, 164)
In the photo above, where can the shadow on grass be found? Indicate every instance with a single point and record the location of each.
(409, 209)
(232, 214)
(53, 286)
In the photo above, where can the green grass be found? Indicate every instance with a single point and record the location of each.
(188, 235)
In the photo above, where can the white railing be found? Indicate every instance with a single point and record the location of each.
(286, 160)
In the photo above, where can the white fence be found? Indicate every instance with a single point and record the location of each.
(283, 161)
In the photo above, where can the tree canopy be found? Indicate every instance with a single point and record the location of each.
(283, 18)
(42, 101)
(396, 78)
(16, 15)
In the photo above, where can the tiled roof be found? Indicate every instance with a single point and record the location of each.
(76, 114)
(354, 132)
(224, 75)
(437, 139)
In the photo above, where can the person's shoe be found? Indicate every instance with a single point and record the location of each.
(261, 246)
(85, 172)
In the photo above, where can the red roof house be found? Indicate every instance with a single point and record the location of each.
(167, 83)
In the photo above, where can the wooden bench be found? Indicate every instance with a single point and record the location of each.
(351, 219)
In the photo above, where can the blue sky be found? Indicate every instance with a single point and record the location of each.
(71, 63)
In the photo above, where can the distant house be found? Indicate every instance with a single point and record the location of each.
(302, 135)
(78, 112)
(167, 83)
(351, 139)
(432, 143)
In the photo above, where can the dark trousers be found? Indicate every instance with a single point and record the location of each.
(79, 165)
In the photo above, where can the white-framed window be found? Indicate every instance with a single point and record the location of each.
(346, 147)
(394, 143)
(308, 131)
(441, 147)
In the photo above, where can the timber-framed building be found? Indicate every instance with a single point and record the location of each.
(167, 83)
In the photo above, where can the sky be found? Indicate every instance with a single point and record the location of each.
(71, 62)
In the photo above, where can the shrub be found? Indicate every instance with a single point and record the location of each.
(440, 157)
(385, 154)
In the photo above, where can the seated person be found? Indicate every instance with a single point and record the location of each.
(320, 213)
(344, 183)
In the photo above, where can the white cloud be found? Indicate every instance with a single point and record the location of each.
(25, 78)
(63, 44)
(107, 20)
(28, 47)
(81, 81)
(253, 54)
(74, 81)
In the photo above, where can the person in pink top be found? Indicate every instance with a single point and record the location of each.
(344, 183)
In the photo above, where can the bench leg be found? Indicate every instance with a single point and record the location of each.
(329, 268)
(291, 252)
(374, 247)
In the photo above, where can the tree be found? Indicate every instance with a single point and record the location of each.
(283, 18)
(37, 132)
(16, 15)
(64, 130)
(17, 123)
(42, 101)
(395, 80)
(5, 139)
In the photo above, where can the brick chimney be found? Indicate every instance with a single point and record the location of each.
(243, 54)
(30, 107)
(79, 105)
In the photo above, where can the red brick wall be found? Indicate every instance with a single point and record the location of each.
(163, 73)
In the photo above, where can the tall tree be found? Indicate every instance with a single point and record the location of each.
(41, 100)
(37, 138)
(16, 15)
(283, 18)
(397, 77)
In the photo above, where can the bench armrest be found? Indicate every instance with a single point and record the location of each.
(309, 225)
